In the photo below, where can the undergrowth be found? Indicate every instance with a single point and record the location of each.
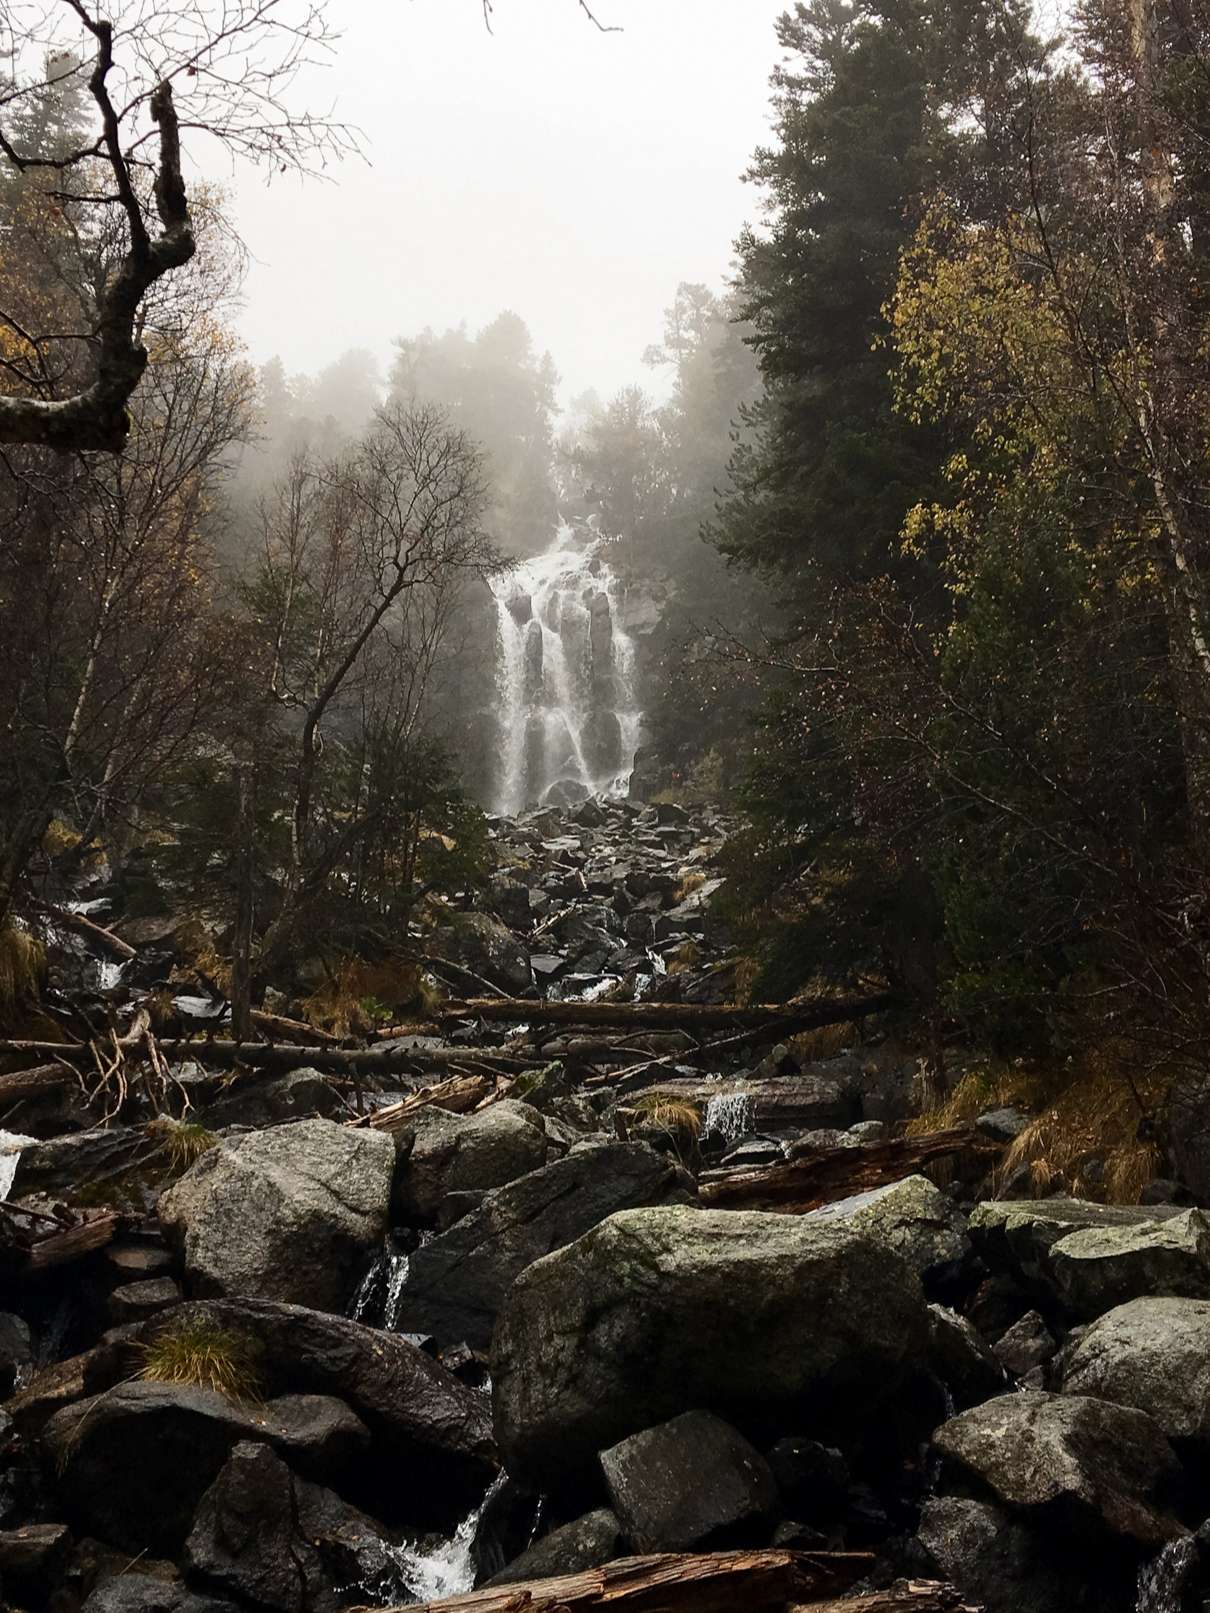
(1089, 1134)
(184, 1141)
(202, 1355)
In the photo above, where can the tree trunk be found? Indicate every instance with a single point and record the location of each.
(245, 906)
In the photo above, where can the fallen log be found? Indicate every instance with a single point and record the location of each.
(458, 1095)
(226, 1054)
(776, 1017)
(62, 1247)
(33, 1082)
(712, 1582)
(96, 933)
(296, 1029)
(825, 1175)
(916, 1596)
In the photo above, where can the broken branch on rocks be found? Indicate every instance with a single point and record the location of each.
(823, 1175)
(774, 1017)
(712, 1582)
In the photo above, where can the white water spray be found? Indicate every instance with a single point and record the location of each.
(1162, 1581)
(567, 705)
(729, 1115)
(447, 1569)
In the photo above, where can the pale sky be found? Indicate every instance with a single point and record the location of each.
(572, 176)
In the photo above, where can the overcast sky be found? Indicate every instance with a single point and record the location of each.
(570, 175)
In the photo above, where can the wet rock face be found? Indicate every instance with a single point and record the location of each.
(287, 1214)
(457, 1282)
(1154, 1355)
(440, 1153)
(1011, 1566)
(1099, 1468)
(912, 1217)
(692, 1484)
(668, 1310)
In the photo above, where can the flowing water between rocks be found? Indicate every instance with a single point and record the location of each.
(567, 703)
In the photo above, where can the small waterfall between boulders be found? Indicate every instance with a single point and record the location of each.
(728, 1115)
(425, 1573)
(567, 705)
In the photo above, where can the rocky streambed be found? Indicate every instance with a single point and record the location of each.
(593, 1278)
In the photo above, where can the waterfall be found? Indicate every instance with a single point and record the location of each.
(376, 1302)
(729, 1115)
(424, 1573)
(565, 676)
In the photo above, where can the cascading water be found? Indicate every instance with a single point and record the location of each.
(1162, 1581)
(729, 1115)
(567, 706)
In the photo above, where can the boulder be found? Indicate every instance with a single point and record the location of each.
(289, 1214)
(277, 1543)
(133, 1462)
(912, 1217)
(457, 1282)
(1017, 1236)
(133, 1302)
(1006, 1565)
(813, 1480)
(661, 1311)
(1001, 1125)
(32, 1560)
(480, 943)
(1096, 1468)
(440, 1153)
(962, 1359)
(1027, 1344)
(274, 1100)
(585, 1543)
(691, 1484)
(143, 1593)
(1154, 1355)
(1097, 1268)
(63, 1165)
(420, 1417)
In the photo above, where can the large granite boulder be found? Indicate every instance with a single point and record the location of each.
(1006, 1564)
(692, 1484)
(1017, 1236)
(1098, 1469)
(480, 944)
(288, 1214)
(457, 1282)
(912, 1216)
(440, 1153)
(133, 1462)
(586, 1542)
(1096, 1268)
(277, 1543)
(431, 1435)
(1153, 1354)
(144, 1593)
(659, 1311)
(962, 1359)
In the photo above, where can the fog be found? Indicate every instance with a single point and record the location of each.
(572, 175)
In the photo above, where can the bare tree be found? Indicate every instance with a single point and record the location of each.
(231, 71)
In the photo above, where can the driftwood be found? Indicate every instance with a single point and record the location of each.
(776, 1017)
(713, 1582)
(825, 1175)
(227, 1054)
(96, 933)
(34, 1082)
(916, 1596)
(296, 1029)
(62, 1246)
(458, 1095)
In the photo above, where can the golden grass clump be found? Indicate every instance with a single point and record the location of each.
(208, 961)
(22, 969)
(1086, 1139)
(824, 1042)
(357, 997)
(185, 1141)
(690, 882)
(1010, 1086)
(667, 1111)
(202, 1355)
(59, 837)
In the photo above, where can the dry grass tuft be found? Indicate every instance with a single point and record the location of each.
(22, 970)
(204, 1356)
(823, 1043)
(59, 837)
(667, 1111)
(690, 882)
(1086, 1140)
(185, 1141)
(357, 997)
(1010, 1086)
